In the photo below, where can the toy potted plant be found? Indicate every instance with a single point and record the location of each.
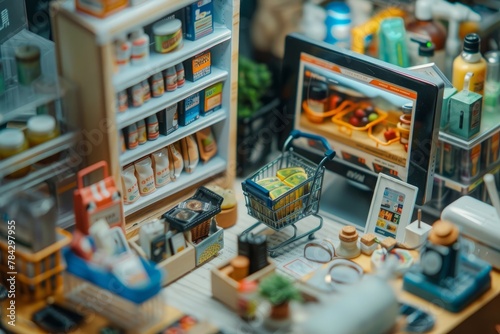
(279, 291)
(256, 103)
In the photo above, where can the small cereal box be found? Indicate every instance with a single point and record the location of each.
(189, 109)
(168, 120)
(211, 99)
(199, 19)
(199, 66)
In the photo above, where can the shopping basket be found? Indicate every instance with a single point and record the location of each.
(295, 204)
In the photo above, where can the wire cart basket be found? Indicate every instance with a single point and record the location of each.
(293, 205)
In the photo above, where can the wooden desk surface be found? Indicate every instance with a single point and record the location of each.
(192, 295)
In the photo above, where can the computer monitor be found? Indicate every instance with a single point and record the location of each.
(377, 116)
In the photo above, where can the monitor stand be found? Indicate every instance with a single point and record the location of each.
(345, 202)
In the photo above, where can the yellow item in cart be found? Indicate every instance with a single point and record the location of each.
(266, 181)
(285, 206)
(293, 181)
(274, 185)
(286, 172)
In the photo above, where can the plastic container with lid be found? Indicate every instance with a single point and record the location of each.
(425, 27)
(12, 142)
(41, 129)
(168, 35)
(140, 47)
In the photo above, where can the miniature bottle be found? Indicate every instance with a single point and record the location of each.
(152, 127)
(141, 132)
(137, 95)
(146, 91)
(348, 243)
(140, 47)
(426, 28)
(123, 51)
(470, 61)
(179, 68)
(171, 79)
(492, 84)
(122, 101)
(157, 84)
(132, 137)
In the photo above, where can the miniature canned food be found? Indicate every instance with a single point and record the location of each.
(28, 63)
(168, 35)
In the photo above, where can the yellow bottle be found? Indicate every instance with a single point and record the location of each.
(12, 142)
(470, 61)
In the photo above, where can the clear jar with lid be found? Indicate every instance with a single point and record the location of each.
(12, 142)
(41, 129)
(28, 63)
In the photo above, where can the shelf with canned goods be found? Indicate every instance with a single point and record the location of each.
(158, 62)
(154, 105)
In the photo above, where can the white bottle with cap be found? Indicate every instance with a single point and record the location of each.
(140, 47)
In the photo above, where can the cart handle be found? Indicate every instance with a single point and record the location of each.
(295, 134)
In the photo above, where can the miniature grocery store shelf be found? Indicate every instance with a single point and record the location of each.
(156, 104)
(36, 177)
(490, 123)
(162, 141)
(202, 172)
(37, 153)
(158, 61)
(123, 21)
(467, 187)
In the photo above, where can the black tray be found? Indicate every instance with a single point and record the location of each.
(202, 194)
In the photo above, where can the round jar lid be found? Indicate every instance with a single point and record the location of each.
(27, 52)
(11, 138)
(41, 124)
(166, 27)
(348, 234)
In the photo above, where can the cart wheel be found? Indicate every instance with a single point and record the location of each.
(273, 254)
(311, 236)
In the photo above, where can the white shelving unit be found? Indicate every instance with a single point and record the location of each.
(84, 47)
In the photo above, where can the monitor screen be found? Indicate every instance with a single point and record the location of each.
(377, 116)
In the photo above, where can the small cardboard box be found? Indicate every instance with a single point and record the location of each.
(199, 19)
(208, 247)
(189, 109)
(99, 8)
(176, 265)
(211, 99)
(225, 289)
(465, 114)
(199, 66)
(168, 120)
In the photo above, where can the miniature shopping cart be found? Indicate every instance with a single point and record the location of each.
(293, 205)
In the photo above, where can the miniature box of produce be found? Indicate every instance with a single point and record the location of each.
(195, 214)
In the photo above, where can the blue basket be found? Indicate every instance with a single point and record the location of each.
(106, 280)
